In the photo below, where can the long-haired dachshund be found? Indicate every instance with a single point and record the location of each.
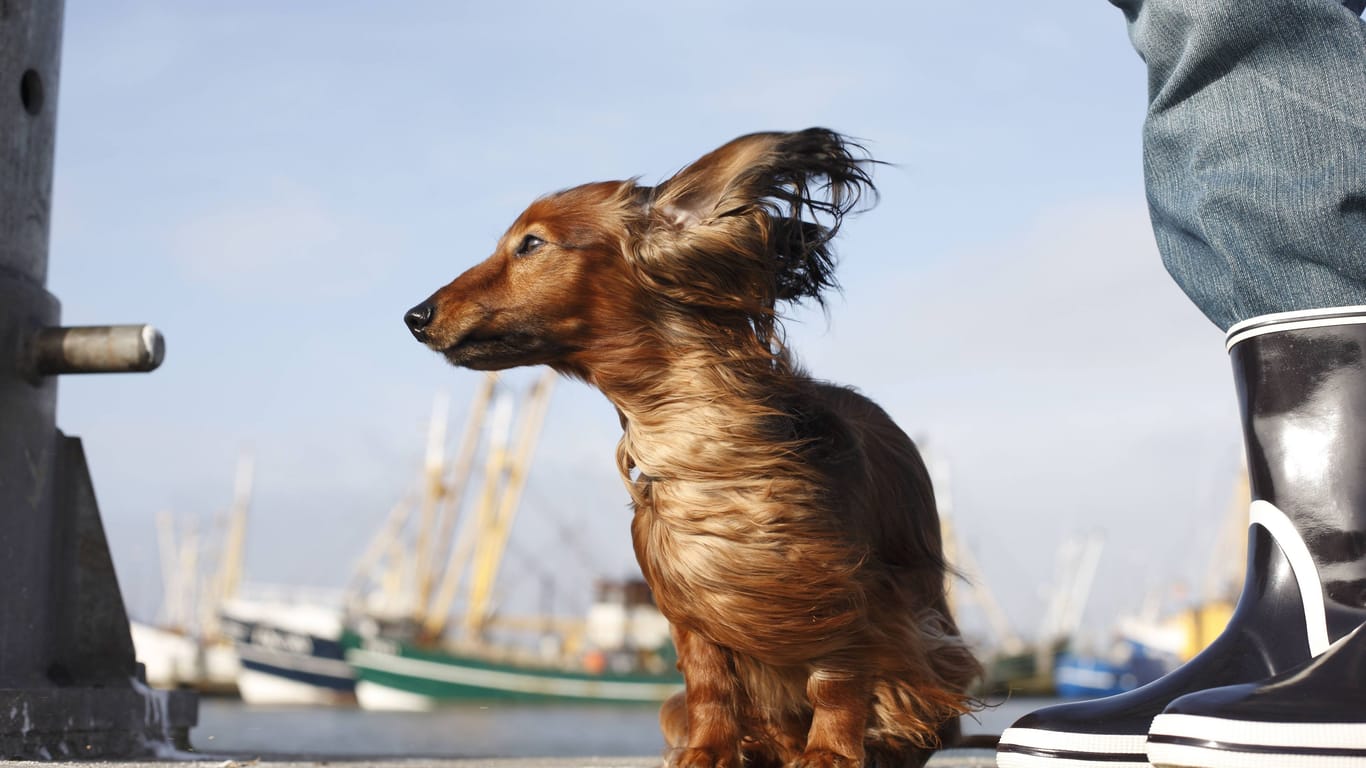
(786, 526)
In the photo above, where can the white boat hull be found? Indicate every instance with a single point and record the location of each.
(375, 696)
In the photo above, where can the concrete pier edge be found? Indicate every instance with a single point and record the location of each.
(949, 758)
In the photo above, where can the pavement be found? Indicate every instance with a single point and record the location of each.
(950, 758)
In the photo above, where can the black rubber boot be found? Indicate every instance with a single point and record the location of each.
(1301, 379)
(1313, 716)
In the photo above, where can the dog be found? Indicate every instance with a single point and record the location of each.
(787, 527)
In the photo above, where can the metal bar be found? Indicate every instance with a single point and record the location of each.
(98, 349)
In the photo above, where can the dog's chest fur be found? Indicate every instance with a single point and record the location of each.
(741, 557)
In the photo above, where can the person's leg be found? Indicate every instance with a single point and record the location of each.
(1254, 150)
(1255, 157)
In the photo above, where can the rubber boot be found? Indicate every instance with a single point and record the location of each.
(1313, 716)
(1301, 380)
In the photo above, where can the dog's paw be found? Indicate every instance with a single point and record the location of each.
(824, 758)
(752, 756)
(698, 757)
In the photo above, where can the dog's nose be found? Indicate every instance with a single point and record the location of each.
(419, 317)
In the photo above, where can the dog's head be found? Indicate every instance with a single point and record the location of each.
(721, 243)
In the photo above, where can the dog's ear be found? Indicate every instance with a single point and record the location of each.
(719, 180)
(750, 223)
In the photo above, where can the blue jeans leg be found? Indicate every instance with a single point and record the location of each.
(1254, 150)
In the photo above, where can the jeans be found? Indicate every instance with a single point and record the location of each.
(1254, 150)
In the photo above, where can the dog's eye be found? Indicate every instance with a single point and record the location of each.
(529, 244)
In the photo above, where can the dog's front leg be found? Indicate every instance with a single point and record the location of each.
(840, 703)
(710, 697)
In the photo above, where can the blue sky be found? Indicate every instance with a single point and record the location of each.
(273, 184)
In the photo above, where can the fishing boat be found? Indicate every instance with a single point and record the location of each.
(289, 640)
(186, 646)
(625, 658)
(289, 648)
(1012, 665)
(423, 627)
(1128, 665)
(1031, 669)
(173, 658)
(1157, 641)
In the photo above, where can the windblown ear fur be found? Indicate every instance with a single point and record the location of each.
(750, 224)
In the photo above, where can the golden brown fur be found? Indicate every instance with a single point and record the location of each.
(787, 527)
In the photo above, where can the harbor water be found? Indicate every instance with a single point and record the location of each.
(228, 727)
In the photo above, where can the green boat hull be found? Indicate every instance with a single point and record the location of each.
(397, 675)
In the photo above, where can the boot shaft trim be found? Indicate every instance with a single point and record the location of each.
(1290, 321)
(1267, 515)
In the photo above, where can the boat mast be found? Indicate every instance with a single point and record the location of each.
(498, 525)
(229, 577)
(438, 547)
(170, 574)
(393, 578)
(433, 493)
(472, 532)
(960, 557)
(364, 573)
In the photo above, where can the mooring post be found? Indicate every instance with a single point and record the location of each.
(69, 683)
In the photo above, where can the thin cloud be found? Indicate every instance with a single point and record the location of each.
(1070, 385)
(285, 243)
